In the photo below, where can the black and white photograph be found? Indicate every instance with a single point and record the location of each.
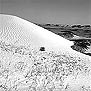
(45, 45)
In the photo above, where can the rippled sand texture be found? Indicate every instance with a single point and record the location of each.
(35, 59)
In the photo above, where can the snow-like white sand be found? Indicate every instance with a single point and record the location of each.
(19, 32)
(14, 29)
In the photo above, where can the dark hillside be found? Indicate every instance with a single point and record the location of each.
(80, 34)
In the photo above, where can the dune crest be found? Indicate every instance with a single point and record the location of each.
(16, 29)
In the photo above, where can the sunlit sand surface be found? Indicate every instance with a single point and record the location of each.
(35, 59)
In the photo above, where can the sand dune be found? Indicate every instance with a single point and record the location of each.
(16, 29)
(16, 32)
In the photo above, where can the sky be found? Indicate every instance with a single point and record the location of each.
(49, 11)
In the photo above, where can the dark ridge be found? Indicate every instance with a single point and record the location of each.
(81, 44)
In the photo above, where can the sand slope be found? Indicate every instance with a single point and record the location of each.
(19, 32)
(16, 29)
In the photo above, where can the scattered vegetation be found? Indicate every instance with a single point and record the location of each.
(81, 45)
(48, 70)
